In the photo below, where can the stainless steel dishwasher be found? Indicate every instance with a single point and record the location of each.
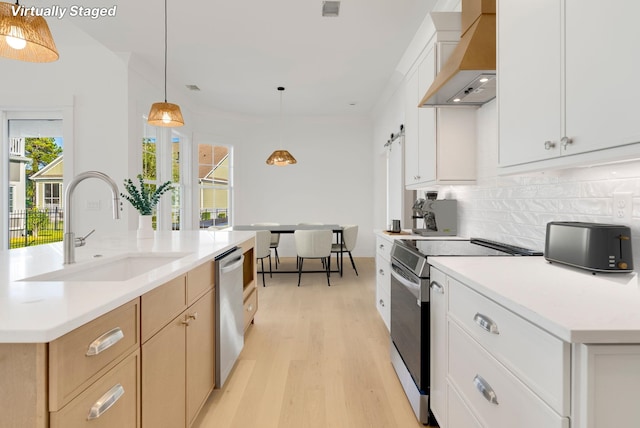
(229, 312)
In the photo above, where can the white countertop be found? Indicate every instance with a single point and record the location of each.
(41, 311)
(407, 234)
(570, 303)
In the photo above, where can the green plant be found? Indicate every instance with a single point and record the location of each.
(146, 198)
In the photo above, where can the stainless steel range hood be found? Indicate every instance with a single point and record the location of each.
(468, 78)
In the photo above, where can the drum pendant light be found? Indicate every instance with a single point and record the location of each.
(281, 157)
(165, 114)
(25, 36)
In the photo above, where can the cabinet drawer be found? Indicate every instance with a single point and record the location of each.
(113, 401)
(79, 357)
(250, 308)
(383, 247)
(459, 414)
(199, 281)
(383, 273)
(383, 303)
(538, 358)
(161, 305)
(495, 396)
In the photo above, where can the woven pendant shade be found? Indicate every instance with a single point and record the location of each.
(25, 38)
(165, 114)
(281, 158)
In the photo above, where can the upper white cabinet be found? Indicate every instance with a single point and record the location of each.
(440, 143)
(566, 83)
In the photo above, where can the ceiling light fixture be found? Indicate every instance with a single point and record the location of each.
(25, 36)
(281, 157)
(165, 114)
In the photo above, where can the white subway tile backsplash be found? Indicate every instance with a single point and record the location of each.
(516, 209)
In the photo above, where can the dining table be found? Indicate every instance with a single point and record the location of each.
(291, 228)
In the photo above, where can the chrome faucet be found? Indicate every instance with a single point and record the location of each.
(70, 241)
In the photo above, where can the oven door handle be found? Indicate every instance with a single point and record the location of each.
(411, 286)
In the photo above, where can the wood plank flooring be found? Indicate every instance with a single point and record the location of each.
(316, 356)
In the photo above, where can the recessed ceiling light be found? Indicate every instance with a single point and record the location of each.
(330, 8)
(193, 87)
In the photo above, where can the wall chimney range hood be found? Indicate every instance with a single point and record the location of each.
(468, 78)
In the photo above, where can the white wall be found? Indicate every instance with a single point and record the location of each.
(88, 83)
(331, 183)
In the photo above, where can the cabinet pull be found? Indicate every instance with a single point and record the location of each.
(485, 389)
(193, 316)
(250, 307)
(381, 271)
(105, 402)
(382, 246)
(185, 322)
(382, 303)
(486, 323)
(105, 342)
(548, 145)
(435, 286)
(565, 141)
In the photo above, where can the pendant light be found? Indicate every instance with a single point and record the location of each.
(25, 36)
(165, 114)
(281, 157)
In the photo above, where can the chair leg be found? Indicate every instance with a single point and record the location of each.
(275, 250)
(262, 262)
(270, 271)
(300, 260)
(328, 270)
(353, 263)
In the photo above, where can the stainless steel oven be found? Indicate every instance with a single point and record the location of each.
(410, 311)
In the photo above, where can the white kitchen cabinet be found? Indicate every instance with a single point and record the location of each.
(440, 143)
(566, 85)
(503, 369)
(439, 295)
(383, 278)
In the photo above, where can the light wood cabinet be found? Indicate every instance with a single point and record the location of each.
(567, 96)
(249, 283)
(178, 361)
(112, 401)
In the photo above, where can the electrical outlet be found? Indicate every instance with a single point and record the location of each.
(622, 207)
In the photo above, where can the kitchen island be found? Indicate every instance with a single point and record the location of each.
(527, 343)
(77, 340)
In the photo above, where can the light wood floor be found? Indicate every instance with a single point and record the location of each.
(316, 356)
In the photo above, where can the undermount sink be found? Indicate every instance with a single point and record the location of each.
(120, 269)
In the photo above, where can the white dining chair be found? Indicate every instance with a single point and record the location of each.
(349, 238)
(263, 250)
(275, 240)
(313, 244)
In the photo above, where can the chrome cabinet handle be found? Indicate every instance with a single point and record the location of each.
(486, 323)
(565, 141)
(485, 389)
(193, 316)
(548, 145)
(105, 342)
(381, 303)
(381, 271)
(105, 402)
(436, 287)
(382, 246)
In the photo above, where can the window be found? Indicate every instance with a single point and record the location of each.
(35, 164)
(214, 183)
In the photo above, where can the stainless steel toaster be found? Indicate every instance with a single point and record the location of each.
(593, 246)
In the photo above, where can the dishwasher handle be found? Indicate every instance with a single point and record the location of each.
(232, 265)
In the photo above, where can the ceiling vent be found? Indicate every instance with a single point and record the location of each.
(330, 8)
(192, 87)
